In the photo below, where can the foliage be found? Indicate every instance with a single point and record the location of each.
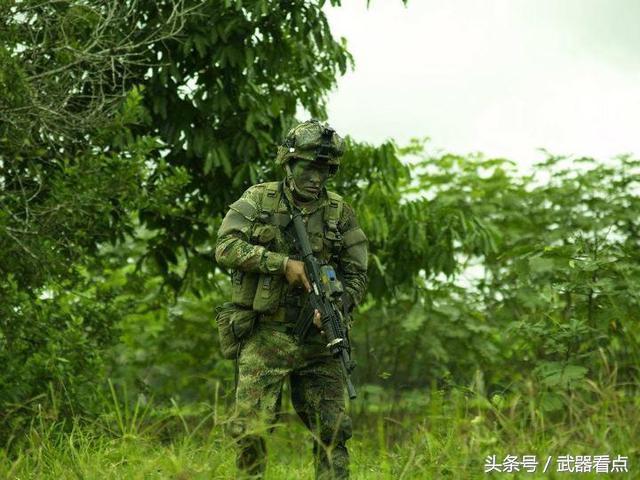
(66, 65)
(57, 210)
(544, 285)
(71, 172)
(91, 91)
(444, 436)
(222, 95)
(126, 132)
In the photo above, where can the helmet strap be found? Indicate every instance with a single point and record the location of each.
(289, 175)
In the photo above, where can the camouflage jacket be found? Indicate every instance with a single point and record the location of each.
(256, 240)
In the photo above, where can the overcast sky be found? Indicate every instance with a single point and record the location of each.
(504, 77)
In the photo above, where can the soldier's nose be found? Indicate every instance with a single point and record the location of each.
(315, 176)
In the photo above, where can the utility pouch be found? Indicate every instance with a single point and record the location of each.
(316, 243)
(243, 288)
(334, 241)
(268, 293)
(234, 324)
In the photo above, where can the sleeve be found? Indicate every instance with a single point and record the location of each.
(353, 258)
(234, 248)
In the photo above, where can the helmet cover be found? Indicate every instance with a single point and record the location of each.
(313, 141)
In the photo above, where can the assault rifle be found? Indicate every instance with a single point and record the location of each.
(325, 289)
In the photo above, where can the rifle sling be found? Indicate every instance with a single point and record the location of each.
(305, 318)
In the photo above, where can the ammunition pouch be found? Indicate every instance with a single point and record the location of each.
(268, 292)
(243, 288)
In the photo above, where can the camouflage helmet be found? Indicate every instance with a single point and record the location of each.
(311, 140)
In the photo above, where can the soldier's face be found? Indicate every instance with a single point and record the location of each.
(310, 178)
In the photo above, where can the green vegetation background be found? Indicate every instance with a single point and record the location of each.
(502, 310)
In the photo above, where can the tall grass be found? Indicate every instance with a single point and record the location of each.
(423, 435)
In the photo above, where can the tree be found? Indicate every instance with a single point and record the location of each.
(66, 65)
(226, 93)
(71, 172)
(88, 88)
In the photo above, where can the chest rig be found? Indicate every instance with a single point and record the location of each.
(273, 229)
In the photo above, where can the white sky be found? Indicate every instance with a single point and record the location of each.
(504, 77)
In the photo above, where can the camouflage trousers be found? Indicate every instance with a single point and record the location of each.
(266, 359)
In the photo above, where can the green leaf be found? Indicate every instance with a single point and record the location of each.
(541, 264)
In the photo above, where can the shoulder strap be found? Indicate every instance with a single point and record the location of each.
(333, 211)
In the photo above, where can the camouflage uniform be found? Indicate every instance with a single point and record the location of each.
(255, 241)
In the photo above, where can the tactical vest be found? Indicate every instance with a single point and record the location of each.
(272, 229)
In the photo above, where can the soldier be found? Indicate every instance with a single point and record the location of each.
(256, 242)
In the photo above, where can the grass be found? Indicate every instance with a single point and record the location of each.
(425, 436)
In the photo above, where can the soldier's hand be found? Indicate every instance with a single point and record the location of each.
(317, 321)
(294, 271)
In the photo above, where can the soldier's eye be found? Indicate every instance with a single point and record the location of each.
(322, 170)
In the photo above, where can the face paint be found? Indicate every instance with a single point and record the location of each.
(309, 178)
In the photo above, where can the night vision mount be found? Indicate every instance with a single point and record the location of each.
(326, 148)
